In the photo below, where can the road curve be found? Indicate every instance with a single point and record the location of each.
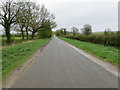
(60, 66)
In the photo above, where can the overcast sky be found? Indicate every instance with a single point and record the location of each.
(100, 14)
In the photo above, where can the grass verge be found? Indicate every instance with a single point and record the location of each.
(14, 56)
(107, 53)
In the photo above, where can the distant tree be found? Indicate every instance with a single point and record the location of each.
(58, 33)
(63, 31)
(82, 30)
(118, 33)
(87, 29)
(107, 31)
(75, 30)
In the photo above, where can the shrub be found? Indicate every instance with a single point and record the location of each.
(107, 40)
(44, 33)
(58, 33)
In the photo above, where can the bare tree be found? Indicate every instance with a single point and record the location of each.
(51, 21)
(21, 19)
(8, 12)
(28, 16)
(35, 21)
(41, 18)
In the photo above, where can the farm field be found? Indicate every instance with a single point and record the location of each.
(17, 41)
(107, 53)
(13, 56)
(14, 40)
(101, 33)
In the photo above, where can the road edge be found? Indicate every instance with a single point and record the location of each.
(15, 74)
(108, 66)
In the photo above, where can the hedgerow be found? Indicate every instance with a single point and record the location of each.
(107, 40)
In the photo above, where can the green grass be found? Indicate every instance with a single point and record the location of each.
(107, 53)
(13, 56)
(4, 38)
(14, 40)
(102, 33)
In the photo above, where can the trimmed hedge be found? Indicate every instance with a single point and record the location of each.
(107, 40)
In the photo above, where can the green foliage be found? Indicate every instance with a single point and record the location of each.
(75, 30)
(13, 56)
(62, 32)
(107, 40)
(98, 33)
(25, 17)
(45, 30)
(107, 31)
(14, 40)
(44, 33)
(108, 53)
(102, 33)
(58, 32)
(87, 29)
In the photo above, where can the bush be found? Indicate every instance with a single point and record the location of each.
(107, 40)
(58, 33)
(44, 33)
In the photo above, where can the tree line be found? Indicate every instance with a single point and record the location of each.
(87, 30)
(108, 38)
(25, 17)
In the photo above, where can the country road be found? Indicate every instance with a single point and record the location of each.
(60, 66)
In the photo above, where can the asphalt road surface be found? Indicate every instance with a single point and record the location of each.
(60, 66)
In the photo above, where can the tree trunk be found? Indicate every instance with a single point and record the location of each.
(74, 34)
(22, 34)
(33, 33)
(8, 35)
(27, 32)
